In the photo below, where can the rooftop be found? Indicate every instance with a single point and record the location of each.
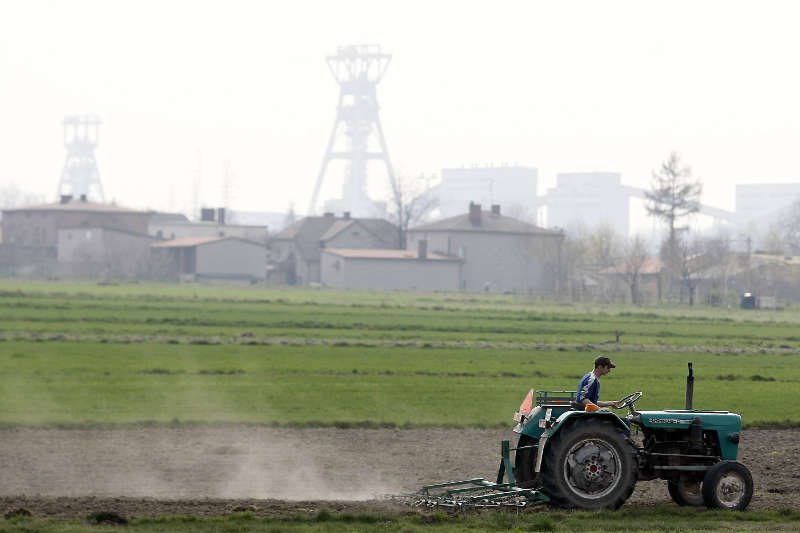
(380, 253)
(186, 242)
(487, 222)
(78, 206)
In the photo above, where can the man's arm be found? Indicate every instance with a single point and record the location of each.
(587, 401)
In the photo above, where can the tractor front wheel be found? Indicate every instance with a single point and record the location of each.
(728, 485)
(589, 465)
(686, 492)
(525, 461)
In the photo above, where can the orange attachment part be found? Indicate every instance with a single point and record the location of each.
(527, 404)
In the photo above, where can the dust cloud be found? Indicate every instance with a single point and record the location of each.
(199, 464)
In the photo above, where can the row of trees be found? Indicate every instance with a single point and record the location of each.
(684, 256)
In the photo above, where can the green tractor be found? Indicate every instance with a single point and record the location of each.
(592, 460)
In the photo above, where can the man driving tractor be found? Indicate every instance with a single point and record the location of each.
(588, 396)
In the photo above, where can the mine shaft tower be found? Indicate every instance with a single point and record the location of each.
(80, 177)
(357, 69)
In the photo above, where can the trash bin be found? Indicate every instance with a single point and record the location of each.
(748, 301)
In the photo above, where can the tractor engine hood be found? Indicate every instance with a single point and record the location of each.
(723, 421)
(726, 425)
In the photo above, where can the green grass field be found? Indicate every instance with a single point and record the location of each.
(90, 355)
(659, 518)
(131, 354)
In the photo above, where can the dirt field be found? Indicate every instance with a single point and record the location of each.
(206, 471)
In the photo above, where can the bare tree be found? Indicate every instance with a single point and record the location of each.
(604, 247)
(690, 260)
(634, 258)
(411, 202)
(789, 227)
(588, 253)
(721, 261)
(574, 259)
(604, 252)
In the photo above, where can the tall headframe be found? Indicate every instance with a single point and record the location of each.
(357, 69)
(80, 177)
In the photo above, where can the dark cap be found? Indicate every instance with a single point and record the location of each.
(604, 361)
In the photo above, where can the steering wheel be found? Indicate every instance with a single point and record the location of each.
(629, 400)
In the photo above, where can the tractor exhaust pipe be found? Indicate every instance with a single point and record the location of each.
(689, 388)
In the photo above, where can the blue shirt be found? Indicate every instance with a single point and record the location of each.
(589, 387)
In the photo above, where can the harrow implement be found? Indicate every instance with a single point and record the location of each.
(479, 492)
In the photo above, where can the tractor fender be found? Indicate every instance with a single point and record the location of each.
(575, 417)
(571, 418)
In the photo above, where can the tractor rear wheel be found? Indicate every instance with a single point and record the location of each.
(525, 462)
(686, 492)
(728, 485)
(590, 464)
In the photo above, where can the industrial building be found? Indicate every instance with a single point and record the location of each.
(590, 200)
(513, 187)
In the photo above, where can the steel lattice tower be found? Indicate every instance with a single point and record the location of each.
(80, 177)
(357, 69)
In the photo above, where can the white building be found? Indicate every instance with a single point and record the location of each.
(513, 187)
(209, 258)
(589, 200)
(500, 253)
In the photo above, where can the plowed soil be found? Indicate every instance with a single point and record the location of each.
(208, 471)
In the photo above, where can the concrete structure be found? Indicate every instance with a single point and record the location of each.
(103, 253)
(589, 199)
(294, 253)
(389, 270)
(500, 253)
(514, 187)
(209, 258)
(37, 226)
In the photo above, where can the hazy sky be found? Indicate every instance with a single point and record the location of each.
(561, 86)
